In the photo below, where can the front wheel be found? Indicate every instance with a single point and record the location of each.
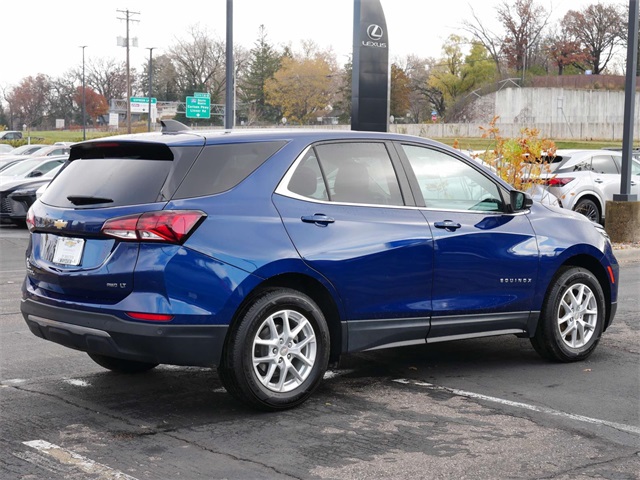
(278, 351)
(121, 365)
(572, 317)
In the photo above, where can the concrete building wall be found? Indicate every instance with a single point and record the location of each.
(558, 113)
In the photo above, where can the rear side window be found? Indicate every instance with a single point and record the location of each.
(359, 172)
(112, 175)
(222, 167)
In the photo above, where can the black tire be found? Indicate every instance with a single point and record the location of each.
(572, 316)
(120, 365)
(589, 209)
(282, 380)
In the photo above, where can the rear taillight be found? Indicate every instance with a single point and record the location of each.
(559, 181)
(172, 226)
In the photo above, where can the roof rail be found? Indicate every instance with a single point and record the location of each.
(173, 126)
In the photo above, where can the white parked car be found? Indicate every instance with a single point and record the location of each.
(31, 168)
(583, 180)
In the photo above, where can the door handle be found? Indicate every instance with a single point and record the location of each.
(448, 225)
(319, 219)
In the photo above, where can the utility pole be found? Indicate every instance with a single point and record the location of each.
(127, 18)
(84, 107)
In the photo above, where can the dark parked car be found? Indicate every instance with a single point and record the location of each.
(269, 254)
(16, 197)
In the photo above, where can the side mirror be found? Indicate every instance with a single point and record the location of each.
(519, 201)
(35, 173)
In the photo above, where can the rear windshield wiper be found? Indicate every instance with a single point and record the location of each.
(87, 200)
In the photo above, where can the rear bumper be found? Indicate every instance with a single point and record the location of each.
(108, 335)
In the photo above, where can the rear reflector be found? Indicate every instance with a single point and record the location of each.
(170, 226)
(151, 317)
(611, 276)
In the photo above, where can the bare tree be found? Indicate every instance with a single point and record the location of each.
(61, 102)
(107, 77)
(600, 29)
(524, 23)
(200, 64)
(417, 71)
(490, 40)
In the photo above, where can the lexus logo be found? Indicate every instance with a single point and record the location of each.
(375, 32)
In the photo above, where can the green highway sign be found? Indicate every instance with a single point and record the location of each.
(143, 100)
(198, 107)
(202, 94)
(141, 104)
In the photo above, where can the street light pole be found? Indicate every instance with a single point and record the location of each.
(150, 85)
(84, 108)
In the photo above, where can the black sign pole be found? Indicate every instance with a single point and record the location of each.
(370, 75)
(629, 104)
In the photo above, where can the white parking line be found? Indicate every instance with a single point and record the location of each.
(73, 459)
(534, 408)
(76, 383)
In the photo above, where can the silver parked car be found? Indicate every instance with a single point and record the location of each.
(583, 180)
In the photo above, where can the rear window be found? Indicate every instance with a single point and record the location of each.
(117, 175)
(222, 167)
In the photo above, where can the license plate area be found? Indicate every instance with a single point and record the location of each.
(68, 251)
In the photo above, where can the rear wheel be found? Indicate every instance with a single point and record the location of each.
(572, 317)
(278, 351)
(121, 365)
(589, 209)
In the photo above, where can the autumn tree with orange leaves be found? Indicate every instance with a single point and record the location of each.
(95, 104)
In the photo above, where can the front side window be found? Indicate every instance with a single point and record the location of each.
(449, 183)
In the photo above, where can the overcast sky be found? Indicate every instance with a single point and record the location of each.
(44, 36)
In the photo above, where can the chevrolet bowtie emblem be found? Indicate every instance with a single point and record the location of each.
(60, 224)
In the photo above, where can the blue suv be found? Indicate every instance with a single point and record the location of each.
(268, 254)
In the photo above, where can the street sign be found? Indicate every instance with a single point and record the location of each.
(141, 104)
(143, 100)
(202, 94)
(198, 106)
